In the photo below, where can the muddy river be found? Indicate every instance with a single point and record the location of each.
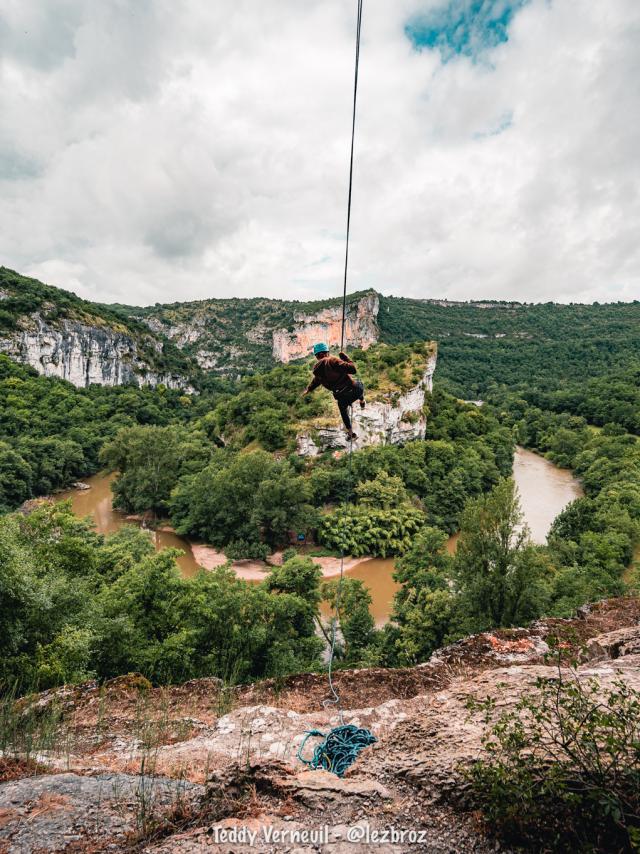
(544, 491)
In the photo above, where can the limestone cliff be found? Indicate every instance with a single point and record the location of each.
(388, 418)
(361, 329)
(84, 353)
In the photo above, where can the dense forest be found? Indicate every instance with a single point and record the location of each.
(546, 347)
(76, 603)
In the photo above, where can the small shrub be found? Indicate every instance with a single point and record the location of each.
(563, 769)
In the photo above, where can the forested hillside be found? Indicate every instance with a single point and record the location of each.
(482, 345)
(542, 346)
(25, 303)
(221, 465)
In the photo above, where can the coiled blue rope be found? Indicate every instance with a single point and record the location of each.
(338, 749)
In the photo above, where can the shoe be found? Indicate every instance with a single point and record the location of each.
(362, 403)
(352, 436)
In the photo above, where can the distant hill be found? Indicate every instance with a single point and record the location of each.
(64, 336)
(482, 344)
(486, 344)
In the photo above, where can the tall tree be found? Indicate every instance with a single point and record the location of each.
(498, 572)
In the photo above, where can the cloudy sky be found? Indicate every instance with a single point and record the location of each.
(161, 150)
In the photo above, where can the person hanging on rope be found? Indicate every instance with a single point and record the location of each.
(335, 373)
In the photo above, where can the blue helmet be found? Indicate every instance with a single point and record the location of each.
(320, 348)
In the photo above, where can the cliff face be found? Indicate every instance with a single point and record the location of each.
(390, 421)
(235, 336)
(83, 354)
(361, 329)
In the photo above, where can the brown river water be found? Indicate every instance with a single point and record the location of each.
(544, 491)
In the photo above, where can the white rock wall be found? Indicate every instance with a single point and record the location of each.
(83, 354)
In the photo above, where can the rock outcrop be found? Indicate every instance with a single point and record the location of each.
(83, 354)
(392, 421)
(219, 776)
(361, 329)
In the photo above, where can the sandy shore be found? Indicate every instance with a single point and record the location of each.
(257, 570)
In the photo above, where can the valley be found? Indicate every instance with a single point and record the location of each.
(544, 490)
(482, 541)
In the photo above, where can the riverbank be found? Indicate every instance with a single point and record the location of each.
(544, 491)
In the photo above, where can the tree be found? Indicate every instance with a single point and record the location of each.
(16, 476)
(424, 605)
(150, 460)
(254, 498)
(282, 503)
(356, 625)
(498, 572)
(383, 522)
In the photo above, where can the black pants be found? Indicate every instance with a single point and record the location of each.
(347, 397)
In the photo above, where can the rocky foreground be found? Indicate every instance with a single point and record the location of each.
(200, 768)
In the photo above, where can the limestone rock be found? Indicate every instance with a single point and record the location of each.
(317, 787)
(83, 354)
(361, 329)
(53, 812)
(614, 645)
(383, 422)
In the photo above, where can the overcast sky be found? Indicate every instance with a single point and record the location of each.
(161, 150)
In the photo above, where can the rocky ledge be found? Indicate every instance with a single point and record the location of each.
(214, 767)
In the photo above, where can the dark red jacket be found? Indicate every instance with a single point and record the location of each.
(333, 373)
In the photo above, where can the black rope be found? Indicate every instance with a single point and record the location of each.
(335, 698)
(353, 136)
(340, 747)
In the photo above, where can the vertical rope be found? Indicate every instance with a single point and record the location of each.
(353, 136)
(335, 697)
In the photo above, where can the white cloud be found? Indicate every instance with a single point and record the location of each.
(178, 149)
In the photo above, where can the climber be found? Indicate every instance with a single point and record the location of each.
(334, 373)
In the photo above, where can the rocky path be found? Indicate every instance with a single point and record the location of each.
(221, 767)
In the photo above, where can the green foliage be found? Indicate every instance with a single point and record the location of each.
(499, 574)
(563, 769)
(246, 497)
(496, 578)
(382, 522)
(532, 348)
(591, 543)
(150, 460)
(51, 433)
(74, 605)
(357, 627)
(423, 607)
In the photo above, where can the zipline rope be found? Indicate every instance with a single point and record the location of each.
(340, 746)
(335, 699)
(353, 136)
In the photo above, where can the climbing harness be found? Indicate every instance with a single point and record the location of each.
(340, 746)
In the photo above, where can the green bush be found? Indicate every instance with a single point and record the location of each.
(563, 768)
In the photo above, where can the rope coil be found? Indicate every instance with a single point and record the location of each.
(338, 749)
